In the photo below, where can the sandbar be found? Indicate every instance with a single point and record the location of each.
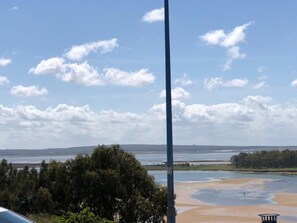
(192, 210)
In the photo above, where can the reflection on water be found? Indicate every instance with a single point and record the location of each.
(237, 197)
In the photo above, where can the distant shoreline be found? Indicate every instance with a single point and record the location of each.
(186, 166)
(222, 167)
(23, 165)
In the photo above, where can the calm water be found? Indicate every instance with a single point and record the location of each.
(151, 158)
(244, 196)
(240, 197)
(35, 159)
(145, 157)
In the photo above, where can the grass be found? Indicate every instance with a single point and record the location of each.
(41, 218)
(220, 167)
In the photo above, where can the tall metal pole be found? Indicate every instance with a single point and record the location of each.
(170, 180)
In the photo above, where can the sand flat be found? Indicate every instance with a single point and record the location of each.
(191, 210)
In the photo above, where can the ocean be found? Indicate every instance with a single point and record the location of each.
(145, 157)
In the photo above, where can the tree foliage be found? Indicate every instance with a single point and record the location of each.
(84, 216)
(266, 159)
(110, 183)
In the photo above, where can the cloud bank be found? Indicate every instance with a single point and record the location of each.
(254, 120)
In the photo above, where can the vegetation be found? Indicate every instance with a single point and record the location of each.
(266, 159)
(43, 218)
(109, 183)
(85, 216)
(221, 167)
(187, 166)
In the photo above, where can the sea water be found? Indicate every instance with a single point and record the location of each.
(145, 157)
(250, 195)
(243, 196)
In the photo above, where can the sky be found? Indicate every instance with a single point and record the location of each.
(75, 73)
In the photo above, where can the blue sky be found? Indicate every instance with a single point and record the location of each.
(83, 73)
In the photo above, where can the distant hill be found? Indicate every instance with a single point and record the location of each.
(143, 148)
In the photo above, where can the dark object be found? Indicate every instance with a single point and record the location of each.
(269, 218)
(7, 216)
(170, 181)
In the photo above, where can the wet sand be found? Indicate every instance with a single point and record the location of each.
(192, 210)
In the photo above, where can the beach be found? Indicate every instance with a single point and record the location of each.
(192, 209)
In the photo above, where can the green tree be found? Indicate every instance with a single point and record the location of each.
(43, 202)
(110, 182)
(85, 216)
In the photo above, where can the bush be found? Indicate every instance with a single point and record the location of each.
(85, 216)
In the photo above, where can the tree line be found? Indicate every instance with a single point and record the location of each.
(110, 183)
(266, 159)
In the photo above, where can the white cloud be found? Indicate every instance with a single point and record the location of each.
(83, 74)
(14, 8)
(258, 99)
(60, 113)
(210, 84)
(219, 37)
(236, 83)
(213, 83)
(258, 102)
(236, 36)
(219, 113)
(233, 53)
(29, 91)
(261, 69)
(67, 125)
(138, 78)
(294, 83)
(184, 81)
(4, 61)
(53, 65)
(214, 37)
(254, 120)
(154, 16)
(228, 64)
(80, 51)
(4, 80)
(260, 85)
(176, 93)
(87, 75)
(228, 40)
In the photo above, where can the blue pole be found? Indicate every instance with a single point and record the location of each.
(170, 180)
